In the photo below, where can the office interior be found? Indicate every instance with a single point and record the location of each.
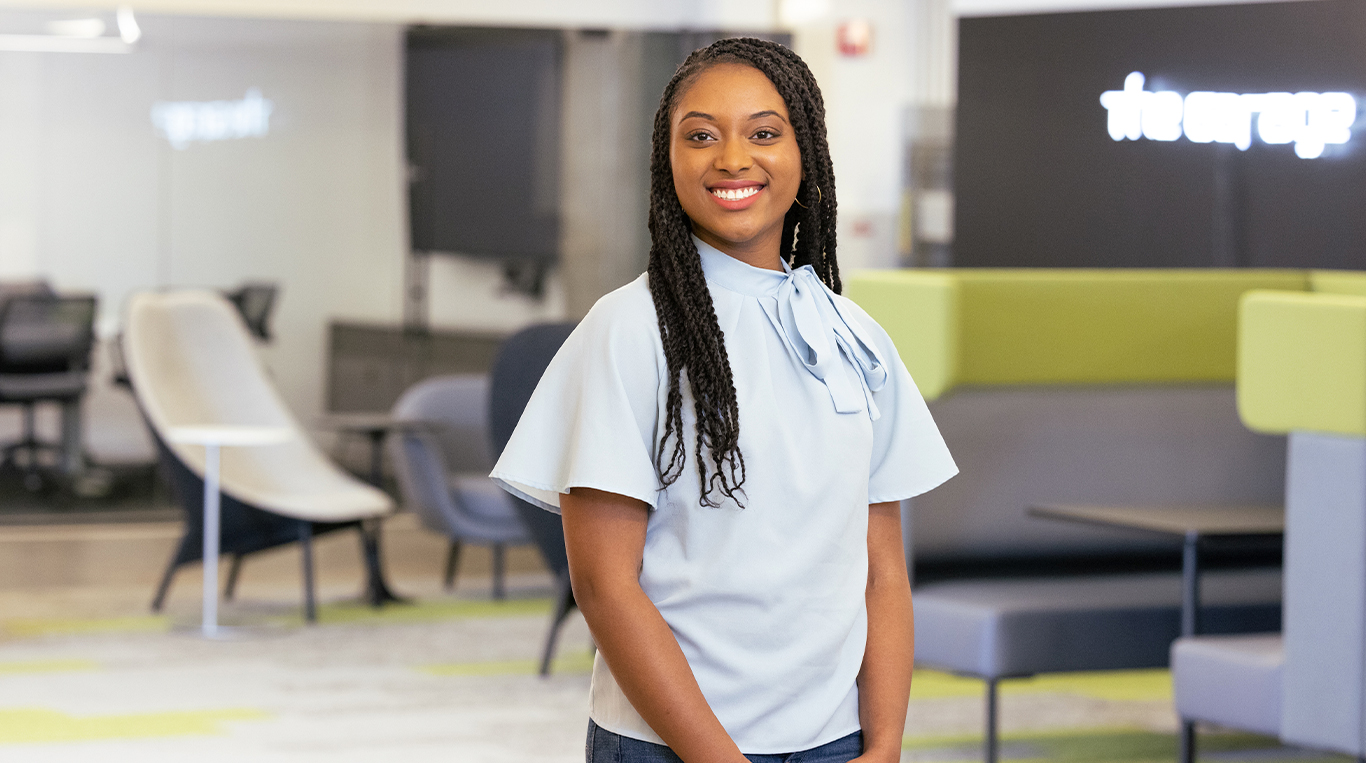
(274, 277)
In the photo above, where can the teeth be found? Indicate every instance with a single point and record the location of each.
(735, 194)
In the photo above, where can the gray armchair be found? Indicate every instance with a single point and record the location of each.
(443, 470)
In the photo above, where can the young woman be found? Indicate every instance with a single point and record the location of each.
(728, 440)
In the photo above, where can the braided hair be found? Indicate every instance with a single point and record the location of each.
(693, 341)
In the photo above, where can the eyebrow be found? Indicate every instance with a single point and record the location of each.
(756, 115)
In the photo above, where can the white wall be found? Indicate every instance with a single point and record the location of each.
(865, 101)
(93, 199)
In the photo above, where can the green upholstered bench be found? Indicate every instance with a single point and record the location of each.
(1050, 327)
(1078, 386)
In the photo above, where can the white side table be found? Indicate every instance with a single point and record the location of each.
(215, 437)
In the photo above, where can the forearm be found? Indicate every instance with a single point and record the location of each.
(884, 680)
(652, 672)
(605, 536)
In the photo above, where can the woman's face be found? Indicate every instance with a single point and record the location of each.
(736, 165)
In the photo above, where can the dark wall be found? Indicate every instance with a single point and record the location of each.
(1039, 181)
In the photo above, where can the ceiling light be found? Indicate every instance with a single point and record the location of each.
(84, 28)
(129, 30)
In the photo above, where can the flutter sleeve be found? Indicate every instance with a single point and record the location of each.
(909, 455)
(591, 421)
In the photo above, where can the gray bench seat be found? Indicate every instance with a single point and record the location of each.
(999, 628)
(1233, 681)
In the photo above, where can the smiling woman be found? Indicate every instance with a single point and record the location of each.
(745, 585)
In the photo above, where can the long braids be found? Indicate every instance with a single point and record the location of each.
(694, 344)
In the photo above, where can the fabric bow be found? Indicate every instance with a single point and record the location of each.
(807, 315)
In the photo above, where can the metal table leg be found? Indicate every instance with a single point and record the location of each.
(209, 620)
(1190, 623)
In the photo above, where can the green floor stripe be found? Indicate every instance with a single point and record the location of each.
(581, 662)
(1119, 685)
(348, 613)
(33, 627)
(426, 611)
(47, 666)
(27, 726)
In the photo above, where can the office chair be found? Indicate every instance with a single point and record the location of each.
(45, 343)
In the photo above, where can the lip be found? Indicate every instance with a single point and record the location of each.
(737, 204)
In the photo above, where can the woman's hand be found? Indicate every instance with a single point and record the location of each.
(604, 534)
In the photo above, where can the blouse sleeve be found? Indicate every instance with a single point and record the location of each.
(591, 421)
(909, 455)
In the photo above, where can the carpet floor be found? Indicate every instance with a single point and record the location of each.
(452, 678)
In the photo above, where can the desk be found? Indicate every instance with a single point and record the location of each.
(214, 438)
(1191, 523)
(374, 426)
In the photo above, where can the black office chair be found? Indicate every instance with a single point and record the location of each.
(45, 343)
(255, 300)
(517, 369)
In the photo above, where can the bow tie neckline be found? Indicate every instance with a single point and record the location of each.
(828, 342)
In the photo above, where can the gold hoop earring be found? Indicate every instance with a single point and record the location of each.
(818, 199)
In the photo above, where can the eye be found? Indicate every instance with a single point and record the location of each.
(699, 136)
(765, 133)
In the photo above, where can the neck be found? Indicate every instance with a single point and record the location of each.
(759, 252)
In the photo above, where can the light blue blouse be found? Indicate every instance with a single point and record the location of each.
(766, 601)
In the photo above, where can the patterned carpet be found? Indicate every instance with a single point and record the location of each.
(452, 679)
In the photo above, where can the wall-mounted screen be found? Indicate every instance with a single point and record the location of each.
(483, 124)
(1222, 135)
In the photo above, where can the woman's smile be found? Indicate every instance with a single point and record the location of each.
(736, 195)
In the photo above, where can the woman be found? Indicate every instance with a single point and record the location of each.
(728, 441)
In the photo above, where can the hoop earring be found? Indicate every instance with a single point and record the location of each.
(819, 198)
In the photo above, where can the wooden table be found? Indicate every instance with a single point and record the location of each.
(1192, 524)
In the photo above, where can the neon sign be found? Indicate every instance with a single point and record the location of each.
(1309, 120)
(186, 122)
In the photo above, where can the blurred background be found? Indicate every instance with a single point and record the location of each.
(364, 225)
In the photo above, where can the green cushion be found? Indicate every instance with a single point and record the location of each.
(1053, 326)
(1338, 282)
(919, 310)
(1302, 362)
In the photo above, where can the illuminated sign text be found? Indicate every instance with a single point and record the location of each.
(186, 122)
(1309, 120)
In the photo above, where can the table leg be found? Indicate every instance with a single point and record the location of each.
(377, 588)
(1187, 742)
(1190, 624)
(1190, 585)
(377, 459)
(209, 624)
(378, 591)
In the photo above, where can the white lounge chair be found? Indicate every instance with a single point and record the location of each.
(191, 361)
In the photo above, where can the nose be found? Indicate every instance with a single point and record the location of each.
(733, 156)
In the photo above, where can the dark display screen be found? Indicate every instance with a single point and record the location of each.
(483, 129)
(1264, 166)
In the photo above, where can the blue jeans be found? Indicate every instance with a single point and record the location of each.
(605, 747)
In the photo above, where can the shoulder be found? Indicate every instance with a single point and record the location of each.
(623, 319)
